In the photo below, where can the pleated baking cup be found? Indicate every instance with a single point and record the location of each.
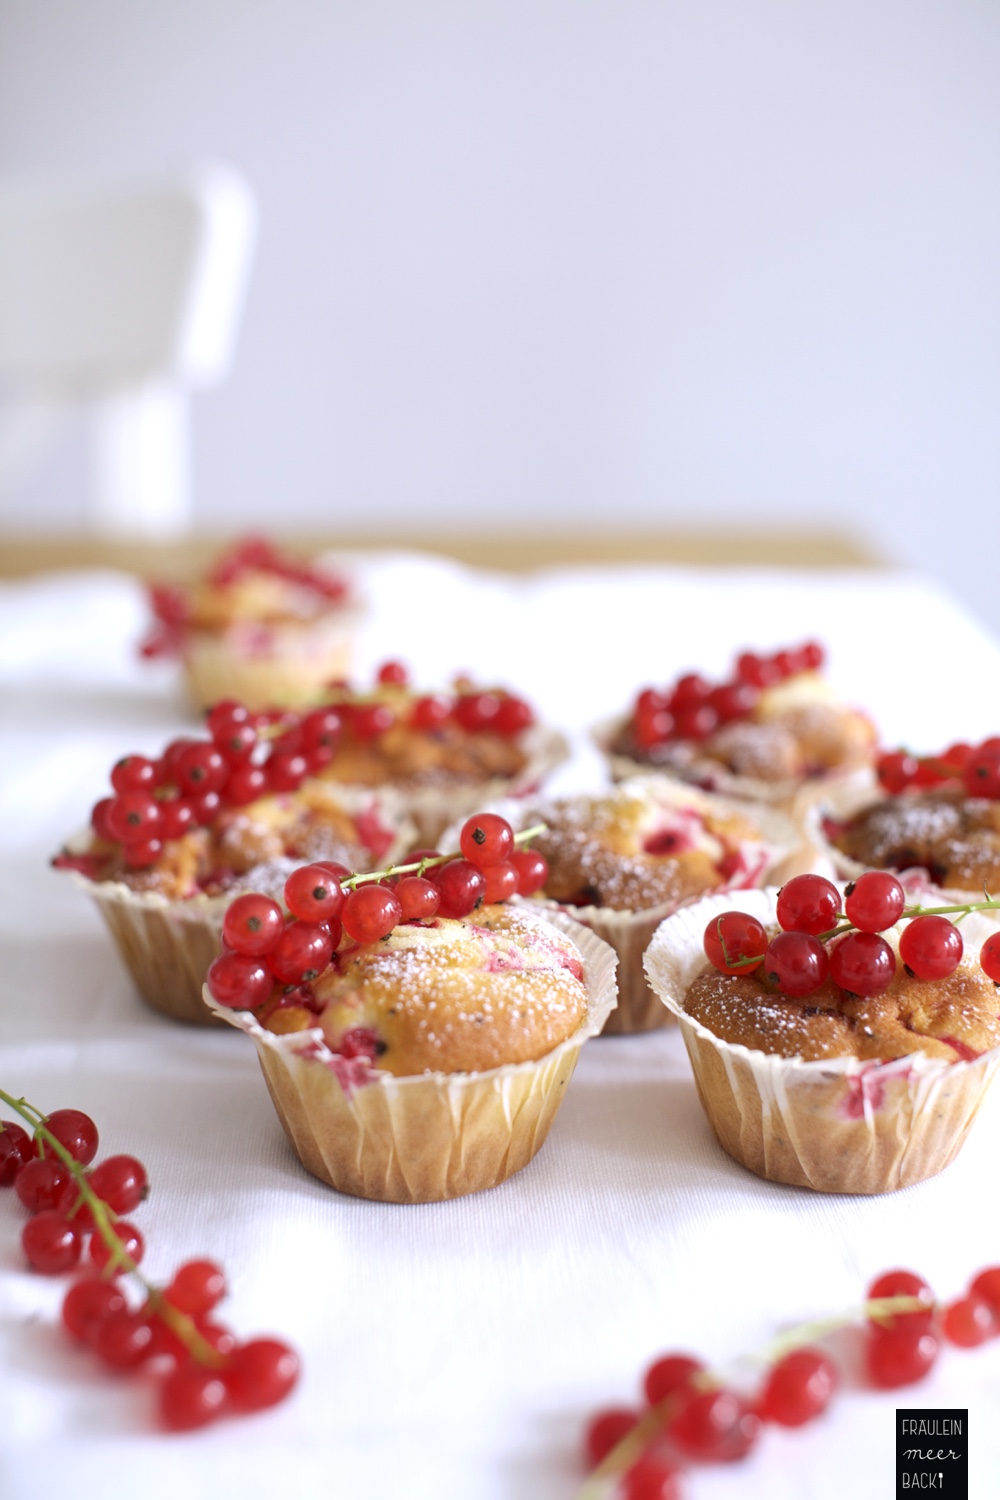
(837, 1126)
(434, 807)
(629, 932)
(283, 665)
(167, 944)
(431, 1136)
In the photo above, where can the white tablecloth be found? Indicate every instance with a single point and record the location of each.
(453, 1351)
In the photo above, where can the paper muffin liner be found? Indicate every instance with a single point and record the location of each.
(284, 665)
(433, 808)
(167, 944)
(629, 932)
(840, 1125)
(430, 1136)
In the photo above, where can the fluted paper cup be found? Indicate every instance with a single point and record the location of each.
(840, 1125)
(430, 1136)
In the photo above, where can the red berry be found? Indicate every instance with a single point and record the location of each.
(986, 1286)
(605, 1431)
(132, 817)
(798, 1387)
(931, 947)
(197, 1287)
(40, 1183)
(715, 1425)
(369, 720)
(260, 1374)
(320, 730)
(134, 773)
(651, 1477)
(862, 963)
(122, 1340)
(121, 1182)
(246, 783)
(668, 1375)
(142, 853)
(486, 840)
(418, 898)
(302, 951)
(360, 1041)
(176, 818)
(732, 938)
(99, 820)
(734, 700)
(813, 656)
(476, 711)
(532, 870)
(252, 925)
(313, 894)
(286, 771)
(51, 1243)
(808, 903)
(696, 722)
(87, 1303)
(690, 691)
(759, 671)
(225, 716)
(501, 883)
(513, 717)
(989, 958)
(191, 1396)
(370, 913)
(205, 808)
(968, 1322)
(132, 1244)
(896, 770)
(201, 768)
(981, 772)
(76, 1131)
(16, 1148)
(903, 1284)
(461, 886)
(430, 713)
(652, 727)
(796, 963)
(393, 673)
(240, 981)
(898, 1357)
(875, 901)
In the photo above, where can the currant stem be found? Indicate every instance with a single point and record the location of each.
(104, 1219)
(657, 1418)
(351, 882)
(965, 909)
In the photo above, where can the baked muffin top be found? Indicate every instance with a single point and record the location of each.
(631, 849)
(955, 1019)
(954, 837)
(454, 996)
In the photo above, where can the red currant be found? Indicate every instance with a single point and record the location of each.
(875, 901)
(695, 722)
(501, 883)
(369, 720)
(735, 943)
(968, 1322)
(862, 963)
(286, 771)
(393, 673)
(132, 817)
(239, 981)
(302, 951)
(141, 853)
(197, 1287)
(513, 717)
(896, 770)
(16, 1148)
(808, 903)
(313, 894)
(370, 913)
(903, 1284)
(252, 925)
(715, 1425)
(418, 899)
(689, 691)
(76, 1131)
(122, 1340)
(669, 1375)
(796, 963)
(652, 727)
(121, 1182)
(461, 886)
(931, 947)
(40, 1183)
(989, 958)
(605, 1431)
(430, 713)
(734, 700)
(651, 1477)
(191, 1396)
(981, 772)
(897, 1357)
(133, 773)
(486, 840)
(131, 1241)
(246, 783)
(176, 818)
(51, 1243)
(201, 768)
(476, 711)
(759, 671)
(224, 717)
(532, 870)
(87, 1303)
(986, 1286)
(99, 820)
(798, 1387)
(260, 1374)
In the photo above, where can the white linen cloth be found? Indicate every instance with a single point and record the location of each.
(454, 1351)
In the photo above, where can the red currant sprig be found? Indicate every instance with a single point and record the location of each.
(211, 1374)
(692, 707)
(973, 768)
(693, 1413)
(325, 901)
(472, 709)
(817, 940)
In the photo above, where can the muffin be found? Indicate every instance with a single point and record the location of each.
(774, 730)
(443, 754)
(164, 893)
(623, 859)
(438, 1055)
(259, 627)
(836, 1092)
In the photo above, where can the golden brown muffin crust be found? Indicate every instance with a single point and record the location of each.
(954, 837)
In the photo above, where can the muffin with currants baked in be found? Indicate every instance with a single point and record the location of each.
(260, 626)
(182, 834)
(841, 1039)
(444, 753)
(772, 730)
(622, 859)
(416, 1047)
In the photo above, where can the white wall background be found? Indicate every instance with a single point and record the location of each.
(571, 261)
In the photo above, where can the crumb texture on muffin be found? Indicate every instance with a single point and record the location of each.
(955, 838)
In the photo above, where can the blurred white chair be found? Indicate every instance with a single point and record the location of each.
(122, 297)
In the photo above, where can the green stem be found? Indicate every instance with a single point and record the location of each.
(653, 1422)
(104, 1220)
(351, 882)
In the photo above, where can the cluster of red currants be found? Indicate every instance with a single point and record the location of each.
(253, 554)
(692, 707)
(692, 1415)
(975, 768)
(474, 710)
(262, 947)
(819, 940)
(205, 1372)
